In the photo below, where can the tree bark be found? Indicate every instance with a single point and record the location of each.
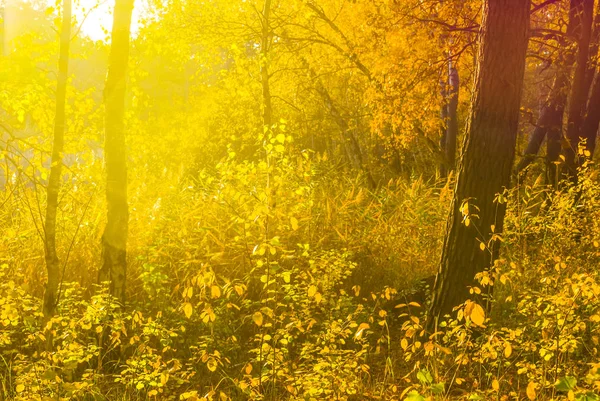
(114, 239)
(584, 10)
(589, 129)
(452, 127)
(488, 154)
(52, 262)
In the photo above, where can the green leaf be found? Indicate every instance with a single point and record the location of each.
(438, 388)
(414, 396)
(566, 384)
(589, 396)
(424, 376)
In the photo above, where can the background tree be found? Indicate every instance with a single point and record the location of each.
(114, 239)
(52, 261)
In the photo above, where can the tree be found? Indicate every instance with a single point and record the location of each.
(488, 154)
(583, 10)
(550, 121)
(114, 238)
(52, 262)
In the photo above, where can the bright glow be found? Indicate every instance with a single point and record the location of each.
(100, 17)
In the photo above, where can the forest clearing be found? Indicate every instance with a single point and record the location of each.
(299, 200)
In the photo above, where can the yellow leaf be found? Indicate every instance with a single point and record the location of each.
(211, 364)
(286, 276)
(475, 312)
(312, 290)
(215, 291)
(248, 368)
(507, 350)
(318, 297)
(294, 223)
(280, 138)
(362, 327)
(187, 309)
(495, 385)
(404, 344)
(482, 246)
(20, 388)
(239, 290)
(531, 391)
(257, 317)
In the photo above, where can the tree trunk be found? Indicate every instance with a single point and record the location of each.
(584, 10)
(443, 127)
(114, 239)
(488, 154)
(589, 129)
(550, 119)
(449, 117)
(551, 116)
(52, 262)
(452, 127)
(264, 65)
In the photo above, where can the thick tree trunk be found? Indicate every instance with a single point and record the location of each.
(114, 239)
(52, 262)
(584, 10)
(488, 154)
(589, 129)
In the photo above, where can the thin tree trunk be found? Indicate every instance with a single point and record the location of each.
(264, 65)
(452, 128)
(114, 239)
(443, 168)
(52, 262)
(551, 116)
(579, 92)
(488, 154)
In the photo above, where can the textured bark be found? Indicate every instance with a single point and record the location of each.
(488, 152)
(579, 92)
(52, 262)
(114, 239)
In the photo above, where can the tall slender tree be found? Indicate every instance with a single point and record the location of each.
(114, 239)
(52, 262)
(488, 153)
